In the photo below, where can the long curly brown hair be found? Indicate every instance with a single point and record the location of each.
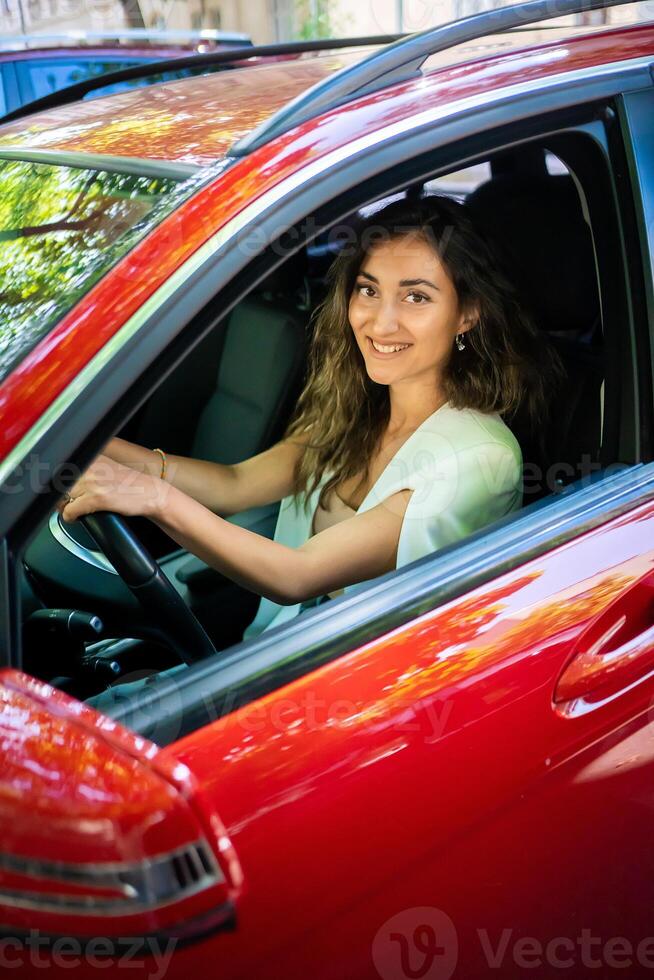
(341, 414)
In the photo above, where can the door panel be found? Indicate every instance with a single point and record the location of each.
(430, 770)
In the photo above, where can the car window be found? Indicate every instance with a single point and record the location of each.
(50, 76)
(3, 101)
(45, 77)
(459, 183)
(218, 373)
(61, 228)
(131, 83)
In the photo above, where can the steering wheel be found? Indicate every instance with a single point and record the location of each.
(152, 588)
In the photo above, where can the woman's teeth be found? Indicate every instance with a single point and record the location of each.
(384, 349)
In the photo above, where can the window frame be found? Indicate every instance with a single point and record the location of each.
(70, 59)
(635, 117)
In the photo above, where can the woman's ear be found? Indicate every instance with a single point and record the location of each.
(469, 319)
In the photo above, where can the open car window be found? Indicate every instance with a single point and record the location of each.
(227, 389)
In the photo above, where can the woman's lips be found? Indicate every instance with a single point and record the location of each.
(384, 355)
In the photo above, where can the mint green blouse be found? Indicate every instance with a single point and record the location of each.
(465, 470)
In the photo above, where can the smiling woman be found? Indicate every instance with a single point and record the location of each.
(397, 446)
(421, 275)
(420, 349)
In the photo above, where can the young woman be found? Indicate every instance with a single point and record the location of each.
(397, 445)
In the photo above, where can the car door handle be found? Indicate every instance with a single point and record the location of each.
(613, 654)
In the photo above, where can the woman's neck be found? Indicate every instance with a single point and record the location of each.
(407, 415)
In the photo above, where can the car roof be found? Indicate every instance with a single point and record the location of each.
(196, 120)
(192, 120)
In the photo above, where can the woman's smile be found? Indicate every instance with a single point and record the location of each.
(386, 350)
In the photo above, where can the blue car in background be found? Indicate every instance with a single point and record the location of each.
(33, 66)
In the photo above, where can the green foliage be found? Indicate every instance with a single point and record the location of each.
(313, 20)
(61, 229)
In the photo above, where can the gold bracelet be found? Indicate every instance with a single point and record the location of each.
(164, 463)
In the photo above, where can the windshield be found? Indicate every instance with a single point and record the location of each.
(61, 229)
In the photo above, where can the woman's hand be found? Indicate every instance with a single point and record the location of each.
(110, 486)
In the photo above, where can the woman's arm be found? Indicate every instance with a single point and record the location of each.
(223, 489)
(357, 549)
(352, 551)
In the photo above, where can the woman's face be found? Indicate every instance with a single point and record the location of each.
(403, 298)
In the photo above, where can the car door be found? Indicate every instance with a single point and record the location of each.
(468, 793)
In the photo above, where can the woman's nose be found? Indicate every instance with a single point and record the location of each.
(386, 319)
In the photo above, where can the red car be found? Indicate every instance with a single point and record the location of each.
(446, 774)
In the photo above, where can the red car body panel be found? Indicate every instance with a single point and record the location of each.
(451, 715)
(152, 122)
(57, 360)
(487, 798)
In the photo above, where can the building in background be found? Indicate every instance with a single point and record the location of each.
(264, 20)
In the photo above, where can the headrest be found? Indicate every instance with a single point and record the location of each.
(537, 224)
(286, 283)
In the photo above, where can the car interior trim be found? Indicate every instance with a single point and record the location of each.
(8, 599)
(88, 555)
(635, 110)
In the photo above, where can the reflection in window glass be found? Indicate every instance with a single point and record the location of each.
(460, 183)
(554, 165)
(3, 101)
(61, 229)
(155, 79)
(47, 76)
(50, 76)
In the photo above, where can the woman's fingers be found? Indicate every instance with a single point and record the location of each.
(107, 485)
(74, 507)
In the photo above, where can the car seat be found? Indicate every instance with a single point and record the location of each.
(229, 400)
(536, 221)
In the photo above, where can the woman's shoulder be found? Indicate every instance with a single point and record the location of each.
(468, 428)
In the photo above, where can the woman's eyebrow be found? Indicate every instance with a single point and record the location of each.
(418, 282)
(404, 282)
